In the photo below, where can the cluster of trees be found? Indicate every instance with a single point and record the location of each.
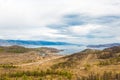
(104, 76)
(71, 62)
(37, 74)
(66, 64)
(7, 66)
(109, 52)
(110, 61)
(105, 55)
(106, 62)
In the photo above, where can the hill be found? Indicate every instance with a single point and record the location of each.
(92, 64)
(19, 54)
(89, 64)
(21, 49)
(91, 55)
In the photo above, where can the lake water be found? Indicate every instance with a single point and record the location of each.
(67, 49)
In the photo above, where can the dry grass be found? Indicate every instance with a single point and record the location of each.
(79, 64)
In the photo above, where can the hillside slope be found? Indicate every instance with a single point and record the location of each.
(91, 61)
(88, 64)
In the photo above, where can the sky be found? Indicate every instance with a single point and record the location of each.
(74, 21)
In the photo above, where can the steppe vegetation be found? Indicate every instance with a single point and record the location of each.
(89, 64)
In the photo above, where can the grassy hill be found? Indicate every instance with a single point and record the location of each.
(88, 64)
(19, 55)
(92, 64)
(14, 49)
(21, 49)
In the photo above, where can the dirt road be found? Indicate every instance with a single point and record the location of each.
(39, 62)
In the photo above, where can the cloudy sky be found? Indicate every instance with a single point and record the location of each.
(75, 21)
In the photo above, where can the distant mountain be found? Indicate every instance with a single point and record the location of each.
(29, 42)
(104, 45)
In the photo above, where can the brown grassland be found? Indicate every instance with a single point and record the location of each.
(86, 65)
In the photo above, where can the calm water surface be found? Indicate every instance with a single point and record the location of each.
(67, 49)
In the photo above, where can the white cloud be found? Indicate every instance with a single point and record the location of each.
(42, 13)
(84, 29)
(29, 19)
(30, 34)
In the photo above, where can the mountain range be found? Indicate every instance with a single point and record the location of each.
(49, 43)
(104, 45)
(30, 42)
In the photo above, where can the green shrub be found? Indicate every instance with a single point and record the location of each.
(104, 76)
(26, 74)
(7, 66)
